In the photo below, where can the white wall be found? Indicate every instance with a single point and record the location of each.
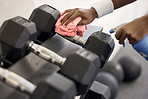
(11, 8)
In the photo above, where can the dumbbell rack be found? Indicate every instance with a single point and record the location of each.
(35, 69)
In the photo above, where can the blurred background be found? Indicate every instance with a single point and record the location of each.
(135, 90)
(24, 8)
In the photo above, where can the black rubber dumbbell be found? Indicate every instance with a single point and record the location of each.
(109, 80)
(99, 43)
(127, 69)
(106, 87)
(81, 66)
(97, 91)
(116, 69)
(54, 86)
(131, 67)
(45, 25)
(110, 75)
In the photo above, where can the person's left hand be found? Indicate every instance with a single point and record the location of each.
(133, 31)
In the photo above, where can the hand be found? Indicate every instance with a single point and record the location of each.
(133, 31)
(87, 15)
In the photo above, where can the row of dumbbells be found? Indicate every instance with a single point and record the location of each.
(126, 69)
(19, 36)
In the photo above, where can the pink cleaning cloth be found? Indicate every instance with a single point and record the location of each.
(71, 29)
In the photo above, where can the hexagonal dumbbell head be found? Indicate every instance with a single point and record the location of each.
(82, 67)
(14, 34)
(109, 80)
(45, 18)
(101, 44)
(55, 86)
(97, 91)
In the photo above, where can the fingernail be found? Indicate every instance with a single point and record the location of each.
(123, 44)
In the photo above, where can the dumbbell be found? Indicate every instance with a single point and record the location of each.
(45, 25)
(97, 91)
(116, 69)
(110, 75)
(131, 68)
(81, 66)
(125, 69)
(109, 80)
(99, 43)
(106, 80)
(54, 86)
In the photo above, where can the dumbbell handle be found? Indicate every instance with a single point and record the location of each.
(46, 54)
(16, 81)
(76, 39)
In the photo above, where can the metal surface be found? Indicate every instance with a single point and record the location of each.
(46, 54)
(16, 81)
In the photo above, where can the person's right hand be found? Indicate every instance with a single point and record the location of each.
(87, 15)
(134, 31)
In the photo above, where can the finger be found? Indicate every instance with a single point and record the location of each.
(74, 16)
(123, 37)
(66, 17)
(118, 34)
(67, 11)
(129, 38)
(132, 41)
(83, 22)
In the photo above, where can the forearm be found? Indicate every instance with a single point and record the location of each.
(120, 3)
(98, 9)
(104, 7)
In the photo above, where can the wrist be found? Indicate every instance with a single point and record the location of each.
(93, 12)
(144, 20)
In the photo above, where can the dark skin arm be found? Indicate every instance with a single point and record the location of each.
(134, 31)
(88, 15)
(120, 3)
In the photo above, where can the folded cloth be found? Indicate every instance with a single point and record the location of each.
(71, 29)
